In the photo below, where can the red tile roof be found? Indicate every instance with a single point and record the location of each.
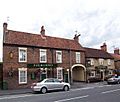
(97, 53)
(37, 40)
(116, 57)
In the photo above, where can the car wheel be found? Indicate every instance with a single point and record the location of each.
(66, 88)
(44, 90)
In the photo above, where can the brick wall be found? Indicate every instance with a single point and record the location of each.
(32, 57)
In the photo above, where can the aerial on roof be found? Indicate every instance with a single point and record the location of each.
(97, 53)
(40, 40)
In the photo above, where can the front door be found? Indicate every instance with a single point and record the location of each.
(43, 76)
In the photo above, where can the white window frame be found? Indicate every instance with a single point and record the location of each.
(92, 74)
(24, 49)
(109, 62)
(43, 52)
(92, 61)
(25, 77)
(60, 73)
(58, 56)
(78, 60)
(110, 72)
(101, 61)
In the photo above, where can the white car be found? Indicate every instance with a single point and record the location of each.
(114, 80)
(50, 84)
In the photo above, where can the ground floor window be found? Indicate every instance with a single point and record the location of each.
(110, 72)
(92, 74)
(22, 75)
(60, 73)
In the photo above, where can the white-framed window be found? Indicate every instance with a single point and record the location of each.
(43, 55)
(77, 57)
(109, 62)
(22, 75)
(60, 73)
(22, 54)
(92, 74)
(101, 61)
(110, 72)
(58, 56)
(92, 61)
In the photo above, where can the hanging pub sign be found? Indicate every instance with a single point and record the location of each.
(41, 65)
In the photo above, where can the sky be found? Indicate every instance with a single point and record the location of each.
(97, 21)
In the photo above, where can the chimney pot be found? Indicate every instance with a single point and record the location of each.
(5, 25)
(42, 30)
(104, 47)
(116, 51)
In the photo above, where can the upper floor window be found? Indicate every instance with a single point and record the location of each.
(43, 55)
(59, 56)
(109, 62)
(101, 61)
(22, 54)
(22, 75)
(92, 61)
(77, 57)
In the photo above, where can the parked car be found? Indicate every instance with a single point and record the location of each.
(93, 79)
(50, 84)
(114, 80)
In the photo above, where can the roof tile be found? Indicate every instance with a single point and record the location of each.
(22, 38)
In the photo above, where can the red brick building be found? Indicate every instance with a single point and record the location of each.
(28, 58)
(116, 57)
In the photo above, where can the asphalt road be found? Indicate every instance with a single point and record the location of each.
(105, 93)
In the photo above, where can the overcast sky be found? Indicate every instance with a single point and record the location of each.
(97, 21)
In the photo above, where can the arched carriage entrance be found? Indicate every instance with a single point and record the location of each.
(78, 72)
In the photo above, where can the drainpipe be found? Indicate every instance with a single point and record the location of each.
(52, 63)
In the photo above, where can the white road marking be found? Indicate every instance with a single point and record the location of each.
(63, 100)
(110, 91)
(14, 96)
(86, 88)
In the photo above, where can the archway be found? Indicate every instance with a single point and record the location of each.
(78, 72)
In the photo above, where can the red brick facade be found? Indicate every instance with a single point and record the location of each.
(13, 40)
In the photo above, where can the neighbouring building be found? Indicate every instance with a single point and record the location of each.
(116, 56)
(1, 74)
(99, 63)
(28, 58)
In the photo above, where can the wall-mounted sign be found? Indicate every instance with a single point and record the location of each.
(41, 65)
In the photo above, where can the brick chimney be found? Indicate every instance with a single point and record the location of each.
(42, 30)
(5, 27)
(4, 31)
(104, 47)
(116, 51)
(76, 37)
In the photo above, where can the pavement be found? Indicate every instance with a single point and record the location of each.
(73, 86)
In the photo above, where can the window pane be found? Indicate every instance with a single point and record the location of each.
(22, 54)
(77, 57)
(59, 73)
(58, 56)
(22, 76)
(42, 55)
